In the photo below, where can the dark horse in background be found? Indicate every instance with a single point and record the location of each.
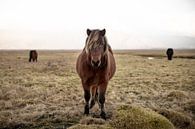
(33, 55)
(169, 53)
(95, 66)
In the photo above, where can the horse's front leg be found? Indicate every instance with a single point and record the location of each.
(86, 89)
(101, 98)
(87, 98)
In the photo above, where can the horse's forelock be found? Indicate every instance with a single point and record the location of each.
(92, 40)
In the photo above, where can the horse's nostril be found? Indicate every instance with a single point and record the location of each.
(93, 62)
(98, 62)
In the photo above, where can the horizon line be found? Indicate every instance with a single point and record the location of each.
(82, 49)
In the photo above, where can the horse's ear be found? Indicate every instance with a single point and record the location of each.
(103, 32)
(88, 32)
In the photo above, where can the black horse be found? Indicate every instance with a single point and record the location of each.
(33, 55)
(170, 53)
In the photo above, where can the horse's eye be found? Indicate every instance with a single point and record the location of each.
(92, 49)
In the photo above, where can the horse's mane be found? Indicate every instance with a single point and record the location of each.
(110, 49)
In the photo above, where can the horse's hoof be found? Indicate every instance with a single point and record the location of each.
(86, 114)
(103, 115)
(86, 110)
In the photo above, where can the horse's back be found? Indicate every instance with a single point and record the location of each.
(33, 52)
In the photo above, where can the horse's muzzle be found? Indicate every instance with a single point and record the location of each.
(95, 63)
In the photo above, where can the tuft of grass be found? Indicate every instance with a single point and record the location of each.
(90, 120)
(81, 126)
(190, 106)
(176, 94)
(134, 117)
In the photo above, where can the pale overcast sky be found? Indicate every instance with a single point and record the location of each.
(130, 24)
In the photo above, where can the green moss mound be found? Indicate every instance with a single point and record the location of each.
(132, 117)
(179, 120)
(81, 126)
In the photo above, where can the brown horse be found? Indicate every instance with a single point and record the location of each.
(95, 66)
(33, 55)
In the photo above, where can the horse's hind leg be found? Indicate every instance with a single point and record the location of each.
(93, 91)
(101, 99)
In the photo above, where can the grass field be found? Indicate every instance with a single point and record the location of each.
(48, 94)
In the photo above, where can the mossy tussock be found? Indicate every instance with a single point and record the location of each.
(134, 117)
(177, 94)
(179, 120)
(190, 106)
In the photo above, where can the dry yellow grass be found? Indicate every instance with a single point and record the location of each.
(48, 94)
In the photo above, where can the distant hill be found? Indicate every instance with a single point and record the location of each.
(179, 42)
(156, 41)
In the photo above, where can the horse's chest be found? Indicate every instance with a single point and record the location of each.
(94, 79)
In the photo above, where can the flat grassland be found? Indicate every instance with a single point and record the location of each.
(48, 93)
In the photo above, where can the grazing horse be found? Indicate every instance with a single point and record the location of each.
(95, 66)
(169, 53)
(33, 55)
